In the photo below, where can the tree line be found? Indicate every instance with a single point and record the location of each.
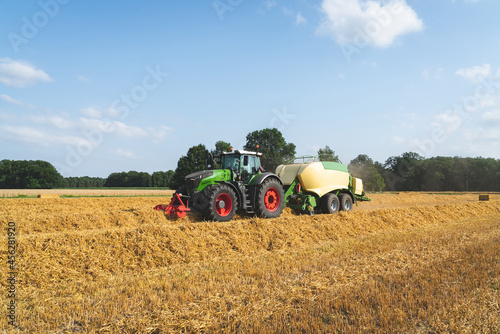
(407, 172)
(23, 174)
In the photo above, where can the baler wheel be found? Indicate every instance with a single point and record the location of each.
(329, 203)
(345, 202)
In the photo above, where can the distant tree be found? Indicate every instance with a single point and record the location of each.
(169, 174)
(128, 179)
(220, 147)
(144, 179)
(275, 150)
(404, 172)
(32, 174)
(158, 179)
(161, 179)
(436, 174)
(193, 161)
(133, 179)
(327, 154)
(84, 182)
(364, 168)
(115, 180)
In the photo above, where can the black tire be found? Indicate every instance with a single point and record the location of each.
(345, 202)
(270, 199)
(330, 203)
(222, 203)
(181, 190)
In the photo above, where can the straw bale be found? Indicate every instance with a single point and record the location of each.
(484, 197)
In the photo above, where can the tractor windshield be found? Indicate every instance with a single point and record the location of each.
(231, 161)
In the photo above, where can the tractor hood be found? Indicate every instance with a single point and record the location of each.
(193, 180)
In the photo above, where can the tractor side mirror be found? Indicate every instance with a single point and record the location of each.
(245, 160)
(210, 161)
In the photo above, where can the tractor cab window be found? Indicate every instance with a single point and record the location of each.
(254, 164)
(249, 167)
(231, 161)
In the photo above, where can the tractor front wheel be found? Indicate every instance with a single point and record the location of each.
(221, 204)
(270, 199)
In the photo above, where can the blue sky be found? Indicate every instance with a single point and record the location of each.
(96, 87)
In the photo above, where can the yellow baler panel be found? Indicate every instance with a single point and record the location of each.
(314, 178)
(288, 173)
(357, 185)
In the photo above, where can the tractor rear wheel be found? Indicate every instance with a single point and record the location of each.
(222, 203)
(345, 202)
(329, 203)
(270, 199)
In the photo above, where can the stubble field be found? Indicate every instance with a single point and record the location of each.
(403, 263)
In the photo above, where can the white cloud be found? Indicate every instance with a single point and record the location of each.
(491, 115)
(61, 129)
(478, 135)
(398, 140)
(426, 74)
(439, 73)
(368, 22)
(126, 154)
(270, 4)
(287, 11)
(433, 74)
(11, 100)
(130, 131)
(156, 134)
(91, 112)
(54, 120)
(299, 19)
(34, 135)
(20, 74)
(475, 73)
(113, 113)
(82, 78)
(160, 133)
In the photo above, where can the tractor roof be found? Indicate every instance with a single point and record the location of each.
(243, 152)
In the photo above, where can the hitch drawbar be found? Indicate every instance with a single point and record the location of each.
(175, 208)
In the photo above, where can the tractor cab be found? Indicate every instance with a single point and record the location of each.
(243, 164)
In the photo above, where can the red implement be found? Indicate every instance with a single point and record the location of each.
(175, 208)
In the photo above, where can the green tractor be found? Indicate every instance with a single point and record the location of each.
(239, 184)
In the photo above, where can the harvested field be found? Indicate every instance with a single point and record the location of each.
(84, 192)
(410, 263)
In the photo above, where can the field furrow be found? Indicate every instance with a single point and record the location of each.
(116, 265)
